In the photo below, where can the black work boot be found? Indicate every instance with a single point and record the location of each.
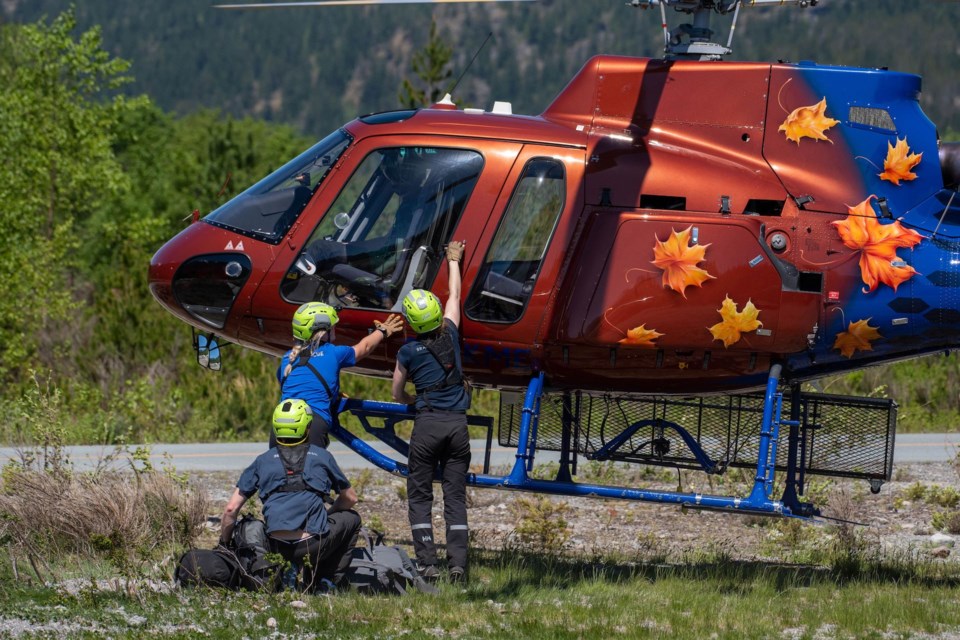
(458, 576)
(429, 573)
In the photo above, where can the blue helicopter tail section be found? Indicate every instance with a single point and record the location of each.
(877, 109)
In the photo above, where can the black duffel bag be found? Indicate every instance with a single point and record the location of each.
(209, 567)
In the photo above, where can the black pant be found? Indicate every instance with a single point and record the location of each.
(439, 438)
(329, 555)
(319, 433)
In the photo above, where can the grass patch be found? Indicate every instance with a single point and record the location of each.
(523, 595)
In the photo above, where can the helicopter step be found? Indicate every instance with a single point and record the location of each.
(824, 435)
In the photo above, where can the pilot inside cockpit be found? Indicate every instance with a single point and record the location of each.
(384, 233)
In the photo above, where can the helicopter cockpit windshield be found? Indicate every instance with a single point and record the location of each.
(268, 209)
(383, 235)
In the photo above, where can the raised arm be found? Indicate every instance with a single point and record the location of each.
(451, 310)
(384, 330)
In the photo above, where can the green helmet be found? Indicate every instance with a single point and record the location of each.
(422, 310)
(291, 419)
(313, 317)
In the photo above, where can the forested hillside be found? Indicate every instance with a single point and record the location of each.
(317, 68)
(97, 176)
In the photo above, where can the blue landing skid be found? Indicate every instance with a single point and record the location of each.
(760, 500)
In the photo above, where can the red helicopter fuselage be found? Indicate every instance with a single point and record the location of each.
(663, 227)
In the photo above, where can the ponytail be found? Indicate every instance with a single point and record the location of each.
(316, 341)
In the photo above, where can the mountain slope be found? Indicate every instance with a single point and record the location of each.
(317, 68)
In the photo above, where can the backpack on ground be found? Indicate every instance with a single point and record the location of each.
(208, 567)
(251, 545)
(242, 565)
(381, 568)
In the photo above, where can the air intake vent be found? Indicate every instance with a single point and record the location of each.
(672, 203)
(873, 118)
(758, 207)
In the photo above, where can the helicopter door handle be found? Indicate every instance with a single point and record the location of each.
(306, 265)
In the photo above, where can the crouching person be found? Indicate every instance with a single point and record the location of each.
(293, 479)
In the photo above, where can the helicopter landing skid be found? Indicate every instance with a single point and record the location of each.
(759, 501)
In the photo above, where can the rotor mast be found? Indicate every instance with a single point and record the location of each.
(692, 40)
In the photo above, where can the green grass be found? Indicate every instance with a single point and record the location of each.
(515, 595)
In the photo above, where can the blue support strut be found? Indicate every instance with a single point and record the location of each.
(759, 501)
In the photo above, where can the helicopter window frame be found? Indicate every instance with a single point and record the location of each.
(383, 234)
(283, 194)
(496, 285)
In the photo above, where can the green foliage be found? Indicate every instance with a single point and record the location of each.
(541, 524)
(55, 125)
(948, 521)
(431, 66)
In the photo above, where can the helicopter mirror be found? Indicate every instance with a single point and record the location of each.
(341, 220)
(214, 362)
(208, 350)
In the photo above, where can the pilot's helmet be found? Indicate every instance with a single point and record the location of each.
(403, 166)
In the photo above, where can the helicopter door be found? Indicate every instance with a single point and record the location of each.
(511, 288)
(379, 227)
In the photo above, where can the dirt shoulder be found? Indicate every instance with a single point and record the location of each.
(900, 520)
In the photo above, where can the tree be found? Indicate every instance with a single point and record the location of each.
(432, 66)
(55, 137)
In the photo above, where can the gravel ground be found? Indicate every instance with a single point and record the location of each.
(890, 519)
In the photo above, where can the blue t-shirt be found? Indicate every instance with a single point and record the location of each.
(425, 372)
(302, 384)
(297, 510)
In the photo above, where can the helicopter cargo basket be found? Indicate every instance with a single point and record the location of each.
(839, 436)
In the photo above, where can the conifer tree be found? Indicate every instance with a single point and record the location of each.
(431, 66)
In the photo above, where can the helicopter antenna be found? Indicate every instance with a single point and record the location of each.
(469, 64)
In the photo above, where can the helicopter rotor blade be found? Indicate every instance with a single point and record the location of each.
(343, 3)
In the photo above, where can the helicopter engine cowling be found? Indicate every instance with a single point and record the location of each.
(950, 164)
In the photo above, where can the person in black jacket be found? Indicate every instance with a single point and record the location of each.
(440, 438)
(293, 478)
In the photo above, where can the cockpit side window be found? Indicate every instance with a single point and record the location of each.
(509, 271)
(385, 232)
(268, 209)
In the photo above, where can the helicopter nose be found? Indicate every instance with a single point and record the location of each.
(200, 289)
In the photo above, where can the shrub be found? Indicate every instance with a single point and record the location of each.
(541, 524)
(48, 512)
(948, 521)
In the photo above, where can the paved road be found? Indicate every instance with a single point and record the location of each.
(926, 447)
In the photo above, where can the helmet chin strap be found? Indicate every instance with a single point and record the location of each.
(293, 444)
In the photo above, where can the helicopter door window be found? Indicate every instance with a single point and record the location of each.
(509, 271)
(268, 209)
(385, 231)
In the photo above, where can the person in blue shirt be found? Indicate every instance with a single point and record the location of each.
(311, 370)
(293, 479)
(440, 438)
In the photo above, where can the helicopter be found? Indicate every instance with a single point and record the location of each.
(649, 278)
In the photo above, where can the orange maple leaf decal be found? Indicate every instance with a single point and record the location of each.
(877, 244)
(858, 336)
(641, 337)
(679, 259)
(734, 322)
(899, 162)
(808, 122)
